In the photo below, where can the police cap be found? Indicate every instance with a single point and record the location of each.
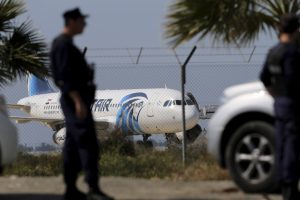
(289, 23)
(73, 14)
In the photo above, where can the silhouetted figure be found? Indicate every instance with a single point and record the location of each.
(281, 77)
(74, 77)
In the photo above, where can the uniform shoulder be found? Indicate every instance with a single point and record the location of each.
(283, 48)
(292, 49)
(276, 47)
(62, 40)
(273, 48)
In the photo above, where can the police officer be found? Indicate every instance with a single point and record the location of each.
(74, 77)
(281, 77)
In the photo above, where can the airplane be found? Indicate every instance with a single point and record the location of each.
(130, 111)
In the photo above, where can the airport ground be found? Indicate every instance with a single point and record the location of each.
(51, 188)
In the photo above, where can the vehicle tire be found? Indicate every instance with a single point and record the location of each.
(250, 157)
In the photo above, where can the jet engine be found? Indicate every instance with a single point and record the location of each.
(59, 137)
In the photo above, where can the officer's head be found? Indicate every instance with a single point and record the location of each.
(75, 21)
(289, 24)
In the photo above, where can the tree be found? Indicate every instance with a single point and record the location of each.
(229, 21)
(22, 50)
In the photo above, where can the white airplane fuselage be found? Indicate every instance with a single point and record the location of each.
(134, 111)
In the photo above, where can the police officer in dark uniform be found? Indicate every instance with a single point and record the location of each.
(281, 77)
(74, 77)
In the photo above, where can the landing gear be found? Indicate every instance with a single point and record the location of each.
(145, 142)
(172, 139)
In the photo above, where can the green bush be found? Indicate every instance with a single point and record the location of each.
(146, 163)
(124, 159)
(36, 165)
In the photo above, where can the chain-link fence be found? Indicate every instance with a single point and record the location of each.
(209, 72)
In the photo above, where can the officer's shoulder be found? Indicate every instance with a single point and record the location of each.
(61, 40)
(292, 48)
(282, 48)
(274, 49)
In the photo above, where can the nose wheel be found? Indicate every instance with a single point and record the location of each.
(145, 142)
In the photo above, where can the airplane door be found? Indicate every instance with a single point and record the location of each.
(150, 109)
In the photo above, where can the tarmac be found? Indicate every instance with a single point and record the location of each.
(52, 188)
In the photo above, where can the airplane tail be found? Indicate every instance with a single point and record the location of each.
(38, 86)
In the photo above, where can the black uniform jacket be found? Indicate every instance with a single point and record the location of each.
(281, 73)
(69, 68)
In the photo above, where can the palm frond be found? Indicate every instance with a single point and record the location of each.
(9, 9)
(23, 52)
(229, 21)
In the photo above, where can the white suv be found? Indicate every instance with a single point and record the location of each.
(8, 137)
(241, 137)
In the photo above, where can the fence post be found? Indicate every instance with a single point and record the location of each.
(138, 58)
(183, 81)
(250, 57)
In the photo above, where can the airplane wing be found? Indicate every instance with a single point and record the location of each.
(99, 125)
(21, 120)
(207, 111)
(19, 107)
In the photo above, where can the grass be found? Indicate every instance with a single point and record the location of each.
(35, 165)
(121, 159)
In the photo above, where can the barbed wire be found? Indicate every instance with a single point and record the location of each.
(174, 65)
(166, 56)
(161, 55)
(178, 48)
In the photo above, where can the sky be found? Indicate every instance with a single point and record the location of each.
(122, 24)
(112, 23)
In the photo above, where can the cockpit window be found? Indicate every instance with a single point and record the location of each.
(177, 103)
(166, 103)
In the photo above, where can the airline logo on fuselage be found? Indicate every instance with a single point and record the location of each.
(127, 118)
(101, 105)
